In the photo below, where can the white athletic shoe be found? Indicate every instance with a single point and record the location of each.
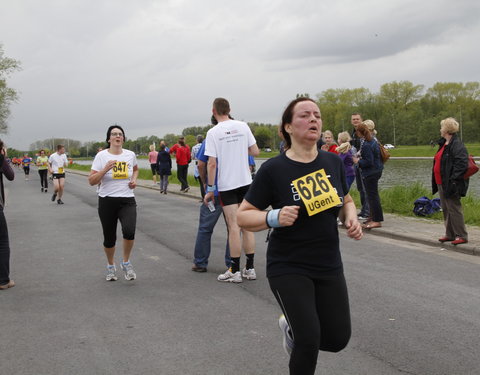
(129, 272)
(111, 273)
(249, 274)
(230, 277)
(287, 336)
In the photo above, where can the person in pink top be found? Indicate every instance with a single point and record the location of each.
(152, 159)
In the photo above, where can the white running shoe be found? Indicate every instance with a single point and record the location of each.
(287, 336)
(230, 277)
(111, 273)
(249, 274)
(129, 272)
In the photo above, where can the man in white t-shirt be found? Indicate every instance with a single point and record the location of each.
(57, 163)
(228, 145)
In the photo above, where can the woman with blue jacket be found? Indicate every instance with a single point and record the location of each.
(371, 166)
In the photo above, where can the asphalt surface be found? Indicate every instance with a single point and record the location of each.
(414, 304)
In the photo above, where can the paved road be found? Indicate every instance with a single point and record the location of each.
(414, 307)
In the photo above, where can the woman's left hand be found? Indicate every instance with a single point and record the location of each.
(132, 184)
(354, 229)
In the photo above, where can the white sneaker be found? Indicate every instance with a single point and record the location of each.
(287, 336)
(230, 277)
(129, 272)
(111, 273)
(249, 274)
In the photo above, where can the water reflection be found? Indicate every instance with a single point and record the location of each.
(408, 171)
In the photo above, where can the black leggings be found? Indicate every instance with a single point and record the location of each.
(43, 177)
(318, 313)
(112, 209)
(4, 250)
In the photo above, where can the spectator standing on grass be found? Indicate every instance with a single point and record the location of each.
(345, 153)
(449, 166)
(370, 165)
(164, 167)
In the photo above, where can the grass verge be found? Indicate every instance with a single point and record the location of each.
(395, 200)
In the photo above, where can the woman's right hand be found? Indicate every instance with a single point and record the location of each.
(288, 215)
(110, 164)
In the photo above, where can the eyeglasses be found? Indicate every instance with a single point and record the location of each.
(116, 134)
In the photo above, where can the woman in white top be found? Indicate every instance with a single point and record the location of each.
(116, 170)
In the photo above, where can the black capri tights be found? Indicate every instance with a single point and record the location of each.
(318, 313)
(112, 209)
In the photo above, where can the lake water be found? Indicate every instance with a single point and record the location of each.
(396, 172)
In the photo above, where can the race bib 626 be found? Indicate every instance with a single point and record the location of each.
(316, 192)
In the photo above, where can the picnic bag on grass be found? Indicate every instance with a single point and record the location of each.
(425, 207)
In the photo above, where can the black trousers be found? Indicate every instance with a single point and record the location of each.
(182, 171)
(4, 250)
(43, 177)
(112, 209)
(318, 313)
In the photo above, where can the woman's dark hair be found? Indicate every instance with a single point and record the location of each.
(1, 144)
(109, 131)
(162, 147)
(363, 131)
(42, 150)
(287, 119)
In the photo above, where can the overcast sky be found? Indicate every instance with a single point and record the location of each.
(155, 66)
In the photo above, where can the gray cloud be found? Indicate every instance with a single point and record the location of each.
(155, 66)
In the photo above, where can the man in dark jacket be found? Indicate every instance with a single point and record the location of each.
(449, 166)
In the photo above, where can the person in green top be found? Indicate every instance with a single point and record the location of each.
(42, 164)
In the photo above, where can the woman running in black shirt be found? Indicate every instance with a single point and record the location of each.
(307, 191)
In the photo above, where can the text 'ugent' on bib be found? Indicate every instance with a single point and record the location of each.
(316, 192)
(120, 170)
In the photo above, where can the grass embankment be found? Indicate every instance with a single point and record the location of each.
(396, 200)
(399, 200)
(428, 151)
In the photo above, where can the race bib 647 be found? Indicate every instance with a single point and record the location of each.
(316, 192)
(120, 170)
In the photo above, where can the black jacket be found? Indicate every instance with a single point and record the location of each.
(355, 142)
(454, 164)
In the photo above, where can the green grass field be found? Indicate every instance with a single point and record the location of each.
(428, 151)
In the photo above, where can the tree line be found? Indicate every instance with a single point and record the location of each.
(404, 114)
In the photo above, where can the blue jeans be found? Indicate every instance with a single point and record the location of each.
(206, 224)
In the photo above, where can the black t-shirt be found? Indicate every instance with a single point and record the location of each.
(311, 245)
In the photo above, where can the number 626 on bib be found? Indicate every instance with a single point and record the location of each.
(316, 192)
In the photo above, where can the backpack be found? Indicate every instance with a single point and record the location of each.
(425, 207)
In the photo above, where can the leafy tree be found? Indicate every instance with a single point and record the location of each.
(263, 136)
(7, 94)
